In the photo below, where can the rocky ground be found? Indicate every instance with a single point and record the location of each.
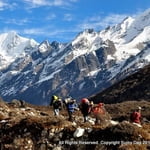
(28, 127)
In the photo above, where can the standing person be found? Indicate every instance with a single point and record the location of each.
(136, 116)
(85, 108)
(71, 107)
(56, 103)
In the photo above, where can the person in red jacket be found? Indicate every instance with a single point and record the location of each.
(99, 113)
(136, 116)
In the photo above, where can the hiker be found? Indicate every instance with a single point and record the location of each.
(56, 103)
(85, 108)
(136, 116)
(100, 114)
(71, 107)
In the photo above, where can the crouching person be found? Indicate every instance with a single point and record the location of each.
(100, 114)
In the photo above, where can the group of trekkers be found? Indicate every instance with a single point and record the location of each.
(87, 108)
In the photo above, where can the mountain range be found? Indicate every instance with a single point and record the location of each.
(90, 63)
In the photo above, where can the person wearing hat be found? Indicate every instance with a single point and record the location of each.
(136, 116)
(56, 103)
(85, 108)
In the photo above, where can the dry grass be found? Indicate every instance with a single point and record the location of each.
(122, 111)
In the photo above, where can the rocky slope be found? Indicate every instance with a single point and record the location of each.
(28, 127)
(134, 87)
(86, 65)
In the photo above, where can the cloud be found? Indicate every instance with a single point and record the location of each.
(48, 33)
(98, 22)
(51, 16)
(58, 3)
(44, 31)
(95, 22)
(40, 3)
(33, 31)
(73, 0)
(113, 19)
(2, 4)
(16, 21)
(37, 2)
(68, 17)
(6, 5)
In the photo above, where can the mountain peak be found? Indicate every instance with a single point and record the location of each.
(146, 13)
(13, 46)
(142, 20)
(44, 46)
(12, 32)
(89, 30)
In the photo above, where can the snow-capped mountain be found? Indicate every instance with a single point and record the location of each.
(88, 64)
(13, 46)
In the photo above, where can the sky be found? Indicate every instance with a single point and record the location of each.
(63, 20)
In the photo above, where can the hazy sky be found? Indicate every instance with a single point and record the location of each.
(62, 20)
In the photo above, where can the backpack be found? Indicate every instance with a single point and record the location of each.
(70, 107)
(85, 108)
(98, 110)
(56, 104)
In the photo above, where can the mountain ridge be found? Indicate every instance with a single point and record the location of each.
(134, 87)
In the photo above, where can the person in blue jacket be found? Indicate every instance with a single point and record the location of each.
(71, 107)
